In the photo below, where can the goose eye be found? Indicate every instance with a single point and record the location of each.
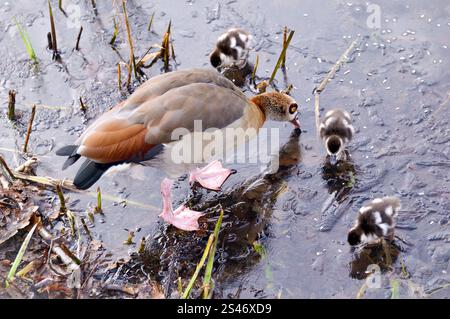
(293, 108)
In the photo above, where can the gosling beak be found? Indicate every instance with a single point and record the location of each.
(333, 159)
(296, 122)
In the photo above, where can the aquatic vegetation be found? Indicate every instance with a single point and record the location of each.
(54, 42)
(282, 55)
(26, 40)
(210, 250)
(19, 256)
(11, 105)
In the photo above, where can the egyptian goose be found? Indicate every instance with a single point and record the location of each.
(232, 49)
(336, 130)
(142, 130)
(375, 220)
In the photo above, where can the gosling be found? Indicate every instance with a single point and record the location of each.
(336, 130)
(232, 49)
(376, 220)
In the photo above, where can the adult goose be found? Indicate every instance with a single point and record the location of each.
(141, 130)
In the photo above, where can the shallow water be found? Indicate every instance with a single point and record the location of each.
(396, 86)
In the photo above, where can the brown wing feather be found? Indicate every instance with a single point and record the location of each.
(115, 140)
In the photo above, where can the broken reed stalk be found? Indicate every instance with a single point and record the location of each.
(127, 84)
(53, 31)
(82, 106)
(282, 55)
(56, 248)
(18, 259)
(119, 77)
(188, 289)
(130, 40)
(207, 289)
(77, 46)
(165, 45)
(98, 208)
(342, 59)
(141, 248)
(30, 125)
(283, 62)
(61, 8)
(172, 51)
(116, 32)
(150, 23)
(49, 40)
(11, 105)
(86, 229)
(255, 67)
(62, 200)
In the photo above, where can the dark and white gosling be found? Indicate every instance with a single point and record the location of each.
(232, 49)
(376, 220)
(336, 130)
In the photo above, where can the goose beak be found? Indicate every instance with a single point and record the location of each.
(296, 122)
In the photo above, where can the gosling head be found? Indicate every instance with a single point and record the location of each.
(232, 49)
(278, 106)
(336, 130)
(376, 220)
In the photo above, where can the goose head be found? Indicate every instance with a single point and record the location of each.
(278, 106)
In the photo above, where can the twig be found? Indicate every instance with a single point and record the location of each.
(56, 248)
(82, 106)
(77, 46)
(283, 62)
(30, 125)
(11, 105)
(86, 229)
(27, 165)
(61, 8)
(319, 89)
(119, 77)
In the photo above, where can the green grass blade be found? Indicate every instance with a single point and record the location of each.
(187, 292)
(282, 55)
(26, 40)
(209, 265)
(18, 260)
(394, 286)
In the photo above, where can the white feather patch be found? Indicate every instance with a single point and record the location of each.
(232, 42)
(377, 201)
(365, 209)
(384, 228)
(369, 238)
(389, 211)
(376, 215)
